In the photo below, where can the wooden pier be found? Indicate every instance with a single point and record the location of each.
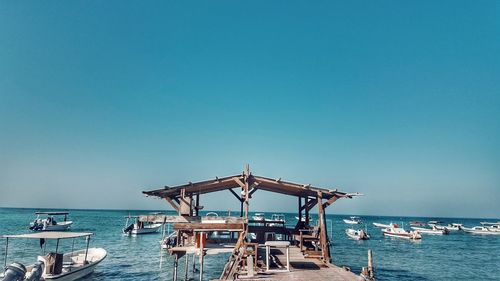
(252, 243)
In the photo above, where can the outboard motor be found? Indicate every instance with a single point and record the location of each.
(14, 272)
(128, 229)
(36, 272)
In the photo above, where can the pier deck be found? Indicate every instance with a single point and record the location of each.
(301, 268)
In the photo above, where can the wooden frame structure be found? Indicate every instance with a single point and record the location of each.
(185, 199)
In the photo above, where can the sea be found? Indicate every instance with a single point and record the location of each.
(458, 256)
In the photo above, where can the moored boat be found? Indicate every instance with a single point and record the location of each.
(433, 230)
(55, 266)
(50, 223)
(480, 230)
(381, 225)
(352, 220)
(401, 233)
(140, 227)
(357, 234)
(417, 223)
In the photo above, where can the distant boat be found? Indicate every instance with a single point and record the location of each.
(50, 223)
(450, 227)
(303, 218)
(495, 228)
(434, 230)
(401, 233)
(140, 227)
(357, 234)
(352, 220)
(417, 223)
(259, 217)
(381, 225)
(480, 230)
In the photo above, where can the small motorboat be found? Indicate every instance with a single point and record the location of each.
(259, 217)
(492, 226)
(277, 220)
(53, 265)
(480, 230)
(170, 241)
(495, 228)
(381, 225)
(357, 234)
(140, 227)
(50, 223)
(417, 223)
(401, 233)
(433, 230)
(303, 218)
(352, 220)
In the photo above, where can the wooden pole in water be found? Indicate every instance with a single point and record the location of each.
(6, 249)
(370, 263)
(186, 268)
(202, 245)
(176, 262)
(194, 262)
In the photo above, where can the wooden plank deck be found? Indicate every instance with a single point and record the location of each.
(301, 268)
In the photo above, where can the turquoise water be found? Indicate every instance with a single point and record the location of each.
(458, 256)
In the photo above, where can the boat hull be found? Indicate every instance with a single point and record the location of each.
(400, 233)
(146, 230)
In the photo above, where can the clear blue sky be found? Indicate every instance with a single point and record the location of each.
(399, 100)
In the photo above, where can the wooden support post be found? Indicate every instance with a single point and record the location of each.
(176, 263)
(194, 262)
(300, 208)
(172, 203)
(325, 250)
(241, 210)
(202, 246)
(197, 203)
(306, 211)
(186, 266)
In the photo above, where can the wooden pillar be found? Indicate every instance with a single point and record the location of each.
(176, 263)
(306, 203)
(197, 203)
(300, 208)
(186, 266)
(202, 246)
(194, 262)
(325, 250)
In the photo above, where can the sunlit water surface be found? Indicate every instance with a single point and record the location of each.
(458, 256)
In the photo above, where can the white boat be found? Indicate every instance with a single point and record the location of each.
(357, 234)
(452, 227)
(381, 225)
(433, 230)
(277, 220)
(303, 218)
(259, 217)
(495, 228)
(140, 227)
(169, 241)
(50, 223)
(417, 223)
(55, 266)
(401, 233)
(480, 230)
(352, 220)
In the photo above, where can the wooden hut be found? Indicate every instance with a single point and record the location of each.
(306, 241)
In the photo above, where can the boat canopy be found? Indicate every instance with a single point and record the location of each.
(52, 213)
(50, 235)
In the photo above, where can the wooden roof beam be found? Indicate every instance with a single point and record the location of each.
(236, 195)
(172, 203)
